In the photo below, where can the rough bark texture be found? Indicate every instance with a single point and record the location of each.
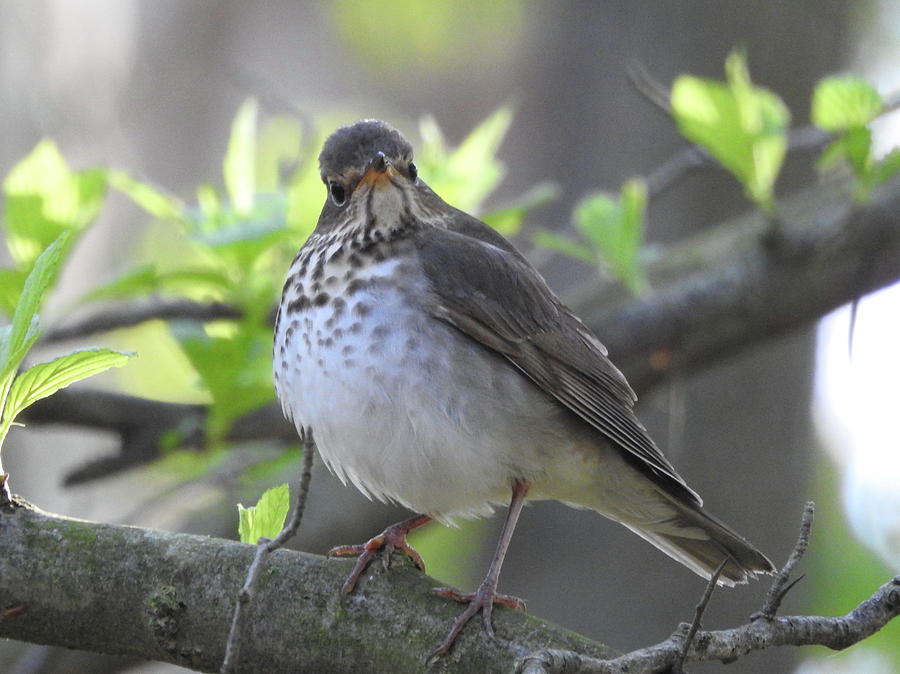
(165, 596)
(749, 280)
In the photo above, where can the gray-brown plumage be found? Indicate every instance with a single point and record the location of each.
(435, 368)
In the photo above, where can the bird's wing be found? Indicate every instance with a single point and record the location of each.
(487, 290)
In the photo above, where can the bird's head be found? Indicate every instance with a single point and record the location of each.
(365, 157)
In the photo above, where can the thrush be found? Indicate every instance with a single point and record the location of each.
(433, 367)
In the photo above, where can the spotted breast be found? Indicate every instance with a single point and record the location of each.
(400, 404)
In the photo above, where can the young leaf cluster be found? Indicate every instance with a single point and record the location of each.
(845, 106)
(18, 389)
(745, 128)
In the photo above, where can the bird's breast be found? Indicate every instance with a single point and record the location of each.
(399, 403)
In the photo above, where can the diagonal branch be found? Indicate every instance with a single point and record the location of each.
(130, 315)
(737, 286)
(836, 633)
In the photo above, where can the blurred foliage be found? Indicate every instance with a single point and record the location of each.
(845, 106)
(44, 199)
(835, 553)
(613, 230)
(449, 36)
(232, 245)
(450, 552)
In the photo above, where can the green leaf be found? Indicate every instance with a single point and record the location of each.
(235, 367)
(45, 198)
(857, 147)
(144, 280)
(465, 176)
(239, 167)
(887, 167)
(843, 102)
(11, 282)
(152, 200)
(616, 228)
(566, 246)
(508, 220)
(267, 517)
(45, 379)
(40, 279)
(741, 125)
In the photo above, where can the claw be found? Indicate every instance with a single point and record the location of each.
(391, 539)
(481, 600)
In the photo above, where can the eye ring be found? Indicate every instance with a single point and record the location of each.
(337, 193)
(413, 171)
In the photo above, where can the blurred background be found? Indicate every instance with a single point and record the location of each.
(152, 88)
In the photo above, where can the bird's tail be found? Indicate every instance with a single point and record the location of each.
(700, 542)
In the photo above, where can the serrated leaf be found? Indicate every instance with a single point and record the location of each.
(741, 125)
(44, 198)
(239, 167)
(267, 517)
(152, 200)
(39, 281)
(843, 102)
(45, 379)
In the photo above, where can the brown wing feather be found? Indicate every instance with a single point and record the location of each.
(489, 291)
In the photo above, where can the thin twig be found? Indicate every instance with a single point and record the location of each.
(837, 633)
(678, 665)
(264, 548)
(651, 88)
(131, 315)
(778, 589)
(808, 138)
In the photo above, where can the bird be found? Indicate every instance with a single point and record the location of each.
(432, 366)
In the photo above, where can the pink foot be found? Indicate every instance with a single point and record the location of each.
(392, 538)
(482, 600)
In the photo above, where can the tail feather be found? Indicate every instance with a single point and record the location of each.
(700, 542)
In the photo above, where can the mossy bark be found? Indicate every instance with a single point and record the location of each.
(166, 596)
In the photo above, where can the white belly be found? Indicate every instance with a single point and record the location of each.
(408, 410)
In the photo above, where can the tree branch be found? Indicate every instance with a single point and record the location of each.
(264, 548)
(763, 631)
(737, 286)
(134, 314)
(836, 633)
(165, 596)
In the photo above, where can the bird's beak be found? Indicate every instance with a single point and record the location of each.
(379, 171)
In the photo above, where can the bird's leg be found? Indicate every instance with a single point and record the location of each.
(392, 538)
(486, 595)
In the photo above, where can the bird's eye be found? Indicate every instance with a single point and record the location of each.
(337, 192)
(413, 172)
